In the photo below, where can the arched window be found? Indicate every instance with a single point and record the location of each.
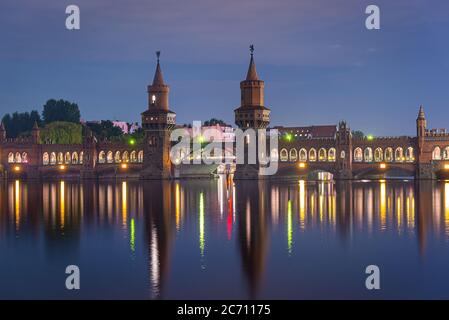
(342, 154)
(125, 156)
(436, 154)
(331, 154)
(81, 157)
(399, 155)
(312, 154)
(60, 158)
(133, 156)
(358, 155)
(140, 156)
(389, 154)
(446, 153)
(10, 157)
(284, 155)
(53, 158)
(368, 154)
(25, 157)
(18, 158)
(378, 155)
(322, 154)
(409, 157)
(293, 154)
(75, 158)
(303, 155)
(117, 157)
(110, 157)
(45, 159)
(67, 158)
(102, 157)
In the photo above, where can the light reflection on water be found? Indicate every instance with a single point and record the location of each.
(224, 239)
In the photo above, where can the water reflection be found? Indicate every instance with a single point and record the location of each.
(180, 229)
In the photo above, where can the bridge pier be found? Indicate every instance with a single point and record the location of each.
(424, 171)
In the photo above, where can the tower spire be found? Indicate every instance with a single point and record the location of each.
(421, 114)
(158, 80)
(252, 72)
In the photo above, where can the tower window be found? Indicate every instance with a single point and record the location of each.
(153, 99)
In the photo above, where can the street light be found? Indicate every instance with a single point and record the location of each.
(124, 166)
(383, 165)
(17, 169)
(302, 165)
(62, 167)
(446, 166)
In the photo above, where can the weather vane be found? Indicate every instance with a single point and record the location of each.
(251, 49)
(158, 54)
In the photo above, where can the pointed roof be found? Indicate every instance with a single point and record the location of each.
(2, 126)
(158, 80)
(35, 126)
(252, 72)
(421, 114)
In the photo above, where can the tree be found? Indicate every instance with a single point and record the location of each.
(358, 134)
(213, 122)
(105, 130)
(61, 110)
(20, 124)
(60, 132)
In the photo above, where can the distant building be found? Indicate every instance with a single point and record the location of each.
(126, 127)
(310, 132)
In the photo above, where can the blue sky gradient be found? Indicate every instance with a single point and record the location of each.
(319, 62)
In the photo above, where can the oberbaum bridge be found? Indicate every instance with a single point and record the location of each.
(302, 151)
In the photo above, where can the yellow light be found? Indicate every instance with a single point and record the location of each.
(201, 223)
(62, 167)
(302, 165)
(446, 166)
(16, 168)
(124, 166)
(383, 165)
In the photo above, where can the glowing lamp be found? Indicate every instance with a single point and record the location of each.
(383, 166)
(446, 166)
(302, 165)
(370, 137)
(132, 141)
(124, 166)
(16, 168)
(62, 167)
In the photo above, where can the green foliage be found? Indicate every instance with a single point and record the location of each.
(105, 130)
(213, 122)
(358, 134)
(61, 110)
(60, 132)
(20, 124)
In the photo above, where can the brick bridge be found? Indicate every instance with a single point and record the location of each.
(424, 156)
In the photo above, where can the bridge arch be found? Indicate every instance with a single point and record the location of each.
(446, 153)
(368, 154)
(399, 154)
(67, 158)
(75, 157)
(389, 154)
(312, 154)
(284, 155)
(303, 155)
(322, 154)
(436, 153)
(45, 159)
(331, 155)
(140, 156)
(409, 154)
(125, 156)
(378, 155)
(358, 154)
(293, 154)
(110, 157)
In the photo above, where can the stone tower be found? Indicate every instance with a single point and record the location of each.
(157, 121)
(252, 114)
(424, 166)
(344, 151)
(35, 133)
(2, 132)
